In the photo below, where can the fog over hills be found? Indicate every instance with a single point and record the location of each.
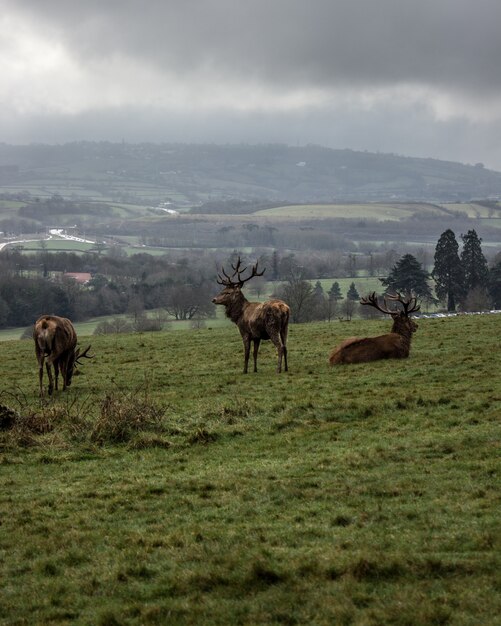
(209, 172)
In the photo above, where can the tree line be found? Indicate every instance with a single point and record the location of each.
(462, 280)
(182, 287)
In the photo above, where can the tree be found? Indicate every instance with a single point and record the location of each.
(476, 272)
(352, 293)
(274, 265)
(408, 277)
(318, 290)
(257, 287)
(184, 302)
(350, 305)
(495, 285)
(331, 302)
(477, 299)
(299, 295)
(4, 312)
(448, 270)
(114, 326)
(335, 292)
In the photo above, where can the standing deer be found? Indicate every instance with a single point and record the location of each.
(394, 345)
(255, 320)
(56, 346)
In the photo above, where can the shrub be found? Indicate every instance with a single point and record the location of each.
(114, 326)
(122, 415)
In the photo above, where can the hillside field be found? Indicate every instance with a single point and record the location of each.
(166, 487)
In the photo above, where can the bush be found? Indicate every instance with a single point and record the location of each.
(122, 415)
(114, 326)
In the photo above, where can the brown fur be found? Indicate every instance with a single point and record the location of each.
(394, 345)
(55, 346)
(257, 321)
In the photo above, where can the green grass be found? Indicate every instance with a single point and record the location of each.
(167, 487)
(371, 210)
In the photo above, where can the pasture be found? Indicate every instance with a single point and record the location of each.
(167, 487)
(370, 210)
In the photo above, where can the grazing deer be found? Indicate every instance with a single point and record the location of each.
(56, 346)
(394, 345)
(255, 320)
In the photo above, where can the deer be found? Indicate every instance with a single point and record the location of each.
(256, 321)
(394, 345)
(56, 347)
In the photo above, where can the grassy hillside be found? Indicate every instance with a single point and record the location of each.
(190, 174)
(167, 487)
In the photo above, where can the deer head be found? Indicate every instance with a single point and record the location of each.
(82, 355)
(72, 366)
(402, 323)
(233, 284)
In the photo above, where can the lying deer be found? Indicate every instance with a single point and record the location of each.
(56, 346)
(394, 345)
(255, 320)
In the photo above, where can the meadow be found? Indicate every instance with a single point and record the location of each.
(167, 487)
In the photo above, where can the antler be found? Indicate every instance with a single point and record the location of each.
(228, 281)
(82, 355)
(372, 300)
(410, 304)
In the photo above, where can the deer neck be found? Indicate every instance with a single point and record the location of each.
(403, 329)
(235, 308)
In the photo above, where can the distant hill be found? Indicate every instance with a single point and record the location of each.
(195, 175)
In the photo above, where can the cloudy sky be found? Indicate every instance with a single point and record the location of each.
(413, 77)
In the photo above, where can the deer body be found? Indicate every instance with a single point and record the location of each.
(394, 345)
(55, 347)
(256, 321)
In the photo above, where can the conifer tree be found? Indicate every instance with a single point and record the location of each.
(353, 293)
(318, 290)
(495, 285)
(448, 270)
(476, 272)
(335, 292)
(408, 277)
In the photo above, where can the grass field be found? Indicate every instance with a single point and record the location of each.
(371, 210)
(167, 487)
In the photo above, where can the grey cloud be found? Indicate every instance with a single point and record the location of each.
(451, 47)
(323, 43)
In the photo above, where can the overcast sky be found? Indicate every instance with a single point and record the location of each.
(413, 77)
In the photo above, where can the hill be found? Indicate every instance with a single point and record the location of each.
(189, 175)
(167, 487)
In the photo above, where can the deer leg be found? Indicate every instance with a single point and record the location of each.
(256, 348)
(284, 352)
(40, 376)
(50, 388)
(278, 345)
(56, 371)
(246, 353)
(283, 337)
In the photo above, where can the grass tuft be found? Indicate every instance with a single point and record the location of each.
(123, 415)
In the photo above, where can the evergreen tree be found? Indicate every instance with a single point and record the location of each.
(318, 290)
(353, 293)
(407, 276)
(448, 270)
(476, 272)
(495, 285)
(335, 292)
(334, 295)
